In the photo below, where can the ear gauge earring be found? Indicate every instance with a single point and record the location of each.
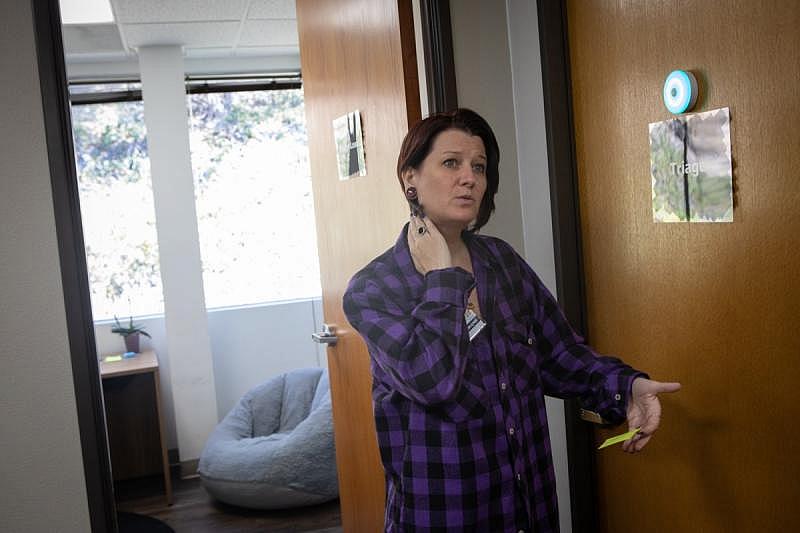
(413, 201)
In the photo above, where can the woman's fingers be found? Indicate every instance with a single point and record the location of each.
(414, 233)
(634, 421)
(644, 410)
(642, 386)
(650, 425)
(667, 387)
(626, 446)
(427, 246)
(636, 443)
(640, 443)
(415, 221)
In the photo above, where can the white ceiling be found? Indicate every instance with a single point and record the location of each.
(204, 28)
(85, 11)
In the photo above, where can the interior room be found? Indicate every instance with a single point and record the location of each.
(245, 308)
(178, 234)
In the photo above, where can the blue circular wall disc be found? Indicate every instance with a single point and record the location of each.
(680, 91)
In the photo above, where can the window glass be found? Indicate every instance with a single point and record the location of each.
(117, 210)
(254, 202)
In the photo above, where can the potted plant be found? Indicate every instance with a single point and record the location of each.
(130, 333)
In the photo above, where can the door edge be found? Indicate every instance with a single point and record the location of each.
(565, 207)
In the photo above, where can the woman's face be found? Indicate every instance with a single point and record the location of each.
(451, 180)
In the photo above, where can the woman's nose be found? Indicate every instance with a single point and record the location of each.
(468, 177)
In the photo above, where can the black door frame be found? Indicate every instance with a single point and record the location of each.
(74, 274)
(571, 287)
(437, 44)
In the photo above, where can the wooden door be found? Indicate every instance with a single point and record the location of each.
(714, 306)
(356, 55)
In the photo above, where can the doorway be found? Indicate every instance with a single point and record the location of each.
(214, 99)
(82, 340)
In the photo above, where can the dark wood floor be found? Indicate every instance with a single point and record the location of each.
(194, 511)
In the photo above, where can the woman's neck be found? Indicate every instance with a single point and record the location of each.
(452, 235)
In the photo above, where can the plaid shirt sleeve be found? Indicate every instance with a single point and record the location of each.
(570, 368)
(423, 351)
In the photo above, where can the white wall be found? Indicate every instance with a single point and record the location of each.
(188, 340)
(420, 50)
(43, 486)
(498, 74)
(253, 344)
(249, 345)
(526, 68)
(483, 81)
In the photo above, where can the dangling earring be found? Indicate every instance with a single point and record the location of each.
(413, 201)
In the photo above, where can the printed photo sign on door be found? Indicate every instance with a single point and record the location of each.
(690, 167)
(349, 140)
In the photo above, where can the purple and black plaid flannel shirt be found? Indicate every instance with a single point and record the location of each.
(462, 427)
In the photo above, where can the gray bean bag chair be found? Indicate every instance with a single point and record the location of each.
(274, 450)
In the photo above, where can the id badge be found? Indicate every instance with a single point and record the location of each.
(474, 323)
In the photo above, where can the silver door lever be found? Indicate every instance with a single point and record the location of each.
(326, 336)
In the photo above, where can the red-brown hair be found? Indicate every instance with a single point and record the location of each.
(419, 140)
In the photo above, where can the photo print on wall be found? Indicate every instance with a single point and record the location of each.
(349, 140)
(690, 167)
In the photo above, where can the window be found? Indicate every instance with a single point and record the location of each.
(117, 210)
(254, 201)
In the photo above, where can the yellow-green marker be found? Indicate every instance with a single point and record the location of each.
(619, 438)
(112, 359)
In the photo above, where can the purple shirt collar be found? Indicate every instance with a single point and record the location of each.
(484, 266)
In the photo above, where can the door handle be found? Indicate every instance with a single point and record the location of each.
(326, 336)
(593, 417)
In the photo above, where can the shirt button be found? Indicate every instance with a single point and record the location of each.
(503, 386)
(510, 431)
(530, 341)
(617, 397)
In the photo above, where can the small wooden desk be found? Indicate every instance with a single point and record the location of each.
(131, 393)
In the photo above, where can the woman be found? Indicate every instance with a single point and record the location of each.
(465, 341)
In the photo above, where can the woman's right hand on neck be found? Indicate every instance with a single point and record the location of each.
(428, 247)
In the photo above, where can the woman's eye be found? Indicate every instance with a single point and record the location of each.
(479, 169)
(450, 163)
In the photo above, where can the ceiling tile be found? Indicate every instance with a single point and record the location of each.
(86, 12)
(91, 38)
(267, 51)
(206, 34)
(245, 51)
(155, 11)
(97, 58)
(241, 65)
(269, 33)
(207, 52)
(272, 9)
